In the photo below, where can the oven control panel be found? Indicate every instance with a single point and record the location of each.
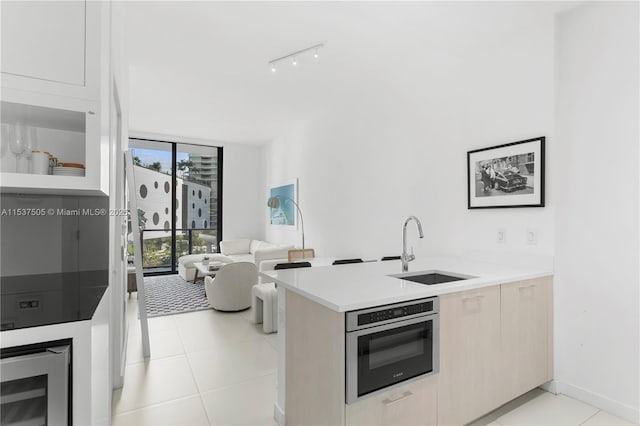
(392, 312)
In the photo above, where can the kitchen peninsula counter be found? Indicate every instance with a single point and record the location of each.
(349, 287)
(495, 340)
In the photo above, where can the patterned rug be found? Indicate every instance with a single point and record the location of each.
(170, 294)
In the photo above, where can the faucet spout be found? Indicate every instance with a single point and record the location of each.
(406, 257)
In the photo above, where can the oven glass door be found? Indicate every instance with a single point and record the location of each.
(34, 388)
(394, 354)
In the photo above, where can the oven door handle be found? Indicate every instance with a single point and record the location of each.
(396, 324)
(390, 401)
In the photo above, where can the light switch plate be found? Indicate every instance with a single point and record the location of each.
(501, 235)
(531, 237)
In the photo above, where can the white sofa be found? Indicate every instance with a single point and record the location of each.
(187, 271)
(243, 250)
(255, 251)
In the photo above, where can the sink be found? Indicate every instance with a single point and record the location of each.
(431, 278)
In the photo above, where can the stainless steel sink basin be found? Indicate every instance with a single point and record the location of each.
(431, 277)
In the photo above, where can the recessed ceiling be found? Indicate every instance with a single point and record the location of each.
(200, 69)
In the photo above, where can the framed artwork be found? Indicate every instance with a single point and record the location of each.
(509, 175)
(284, 212)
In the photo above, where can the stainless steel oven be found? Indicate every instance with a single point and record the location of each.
(390, 344)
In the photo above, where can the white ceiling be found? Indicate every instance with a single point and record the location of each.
(199, 69)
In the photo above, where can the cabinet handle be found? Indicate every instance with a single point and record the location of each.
(477, 296)
(526, 287)
(390, 401)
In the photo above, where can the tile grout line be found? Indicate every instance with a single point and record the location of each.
(155, 405)
(144, 361)
(200, 393)
(242, 382)
(184, 348)
(590, 417)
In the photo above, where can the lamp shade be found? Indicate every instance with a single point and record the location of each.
(273, 202)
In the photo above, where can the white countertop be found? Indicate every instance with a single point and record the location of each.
(356, 286)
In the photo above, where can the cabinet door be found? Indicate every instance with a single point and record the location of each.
(469, 382)
(44, 40)
(411, 404)
(527, 334)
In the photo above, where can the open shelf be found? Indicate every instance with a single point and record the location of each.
(38, 116)
(66, 128)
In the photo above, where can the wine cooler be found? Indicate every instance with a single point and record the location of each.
(34, 388)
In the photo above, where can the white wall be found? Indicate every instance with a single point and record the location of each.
(597, 253)
(243, 192)
(391, 150)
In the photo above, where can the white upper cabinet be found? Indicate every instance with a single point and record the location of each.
(51, 46)
(44, 40)
(55, 81)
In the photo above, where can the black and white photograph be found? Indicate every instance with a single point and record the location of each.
(509, 175)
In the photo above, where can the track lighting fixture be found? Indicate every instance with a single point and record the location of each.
(294, 56)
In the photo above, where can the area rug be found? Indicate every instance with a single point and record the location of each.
(170, 294)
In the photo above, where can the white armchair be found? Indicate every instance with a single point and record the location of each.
(230, 290)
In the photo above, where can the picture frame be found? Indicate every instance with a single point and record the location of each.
(508, 175)
(286, 215)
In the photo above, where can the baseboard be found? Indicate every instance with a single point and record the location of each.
(278, 414)
(551, 387)
(599, 401)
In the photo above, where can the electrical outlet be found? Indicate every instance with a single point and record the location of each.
(501, 235)
(532, 237)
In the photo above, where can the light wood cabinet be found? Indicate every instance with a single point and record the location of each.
(527, 335)
(469, 383)
(315, 365)
(496, 343)
(410, 404)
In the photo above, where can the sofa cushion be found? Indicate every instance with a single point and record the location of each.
(255, 245)
(242, 257)
(188, 260)
(278, 252)
(235, 246)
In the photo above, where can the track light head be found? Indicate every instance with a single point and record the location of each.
(294, 56)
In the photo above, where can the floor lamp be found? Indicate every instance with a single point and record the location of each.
(274, 203)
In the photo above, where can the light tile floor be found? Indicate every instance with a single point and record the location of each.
(214, 368)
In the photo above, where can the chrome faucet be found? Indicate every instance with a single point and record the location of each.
(406, 257)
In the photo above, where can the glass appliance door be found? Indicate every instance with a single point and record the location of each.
(394, 353)
(34, 388)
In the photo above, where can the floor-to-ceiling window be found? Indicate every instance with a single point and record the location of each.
(179, 200)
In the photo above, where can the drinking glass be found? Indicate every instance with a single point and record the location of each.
(5, 136)
(30, 141)
(17, 142)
